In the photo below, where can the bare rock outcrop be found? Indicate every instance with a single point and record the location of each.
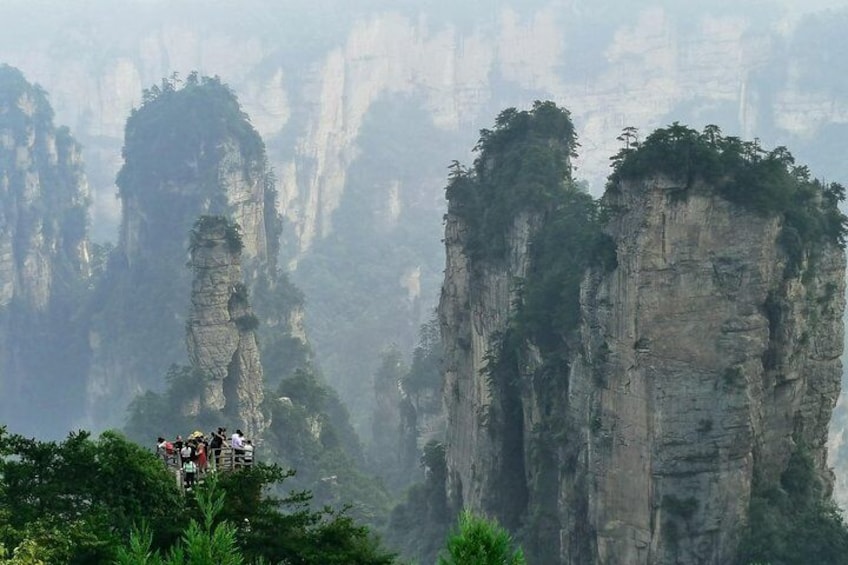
(703, 366)
(189, 151)
(633, 416)
(220, 331)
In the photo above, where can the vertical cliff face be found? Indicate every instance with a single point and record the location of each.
(315, 89)
(44, 194)
(189, 151)
(495, 214)
(704, 368)
(475, 309)
(220, 331)
(637, 424)
(44, 258)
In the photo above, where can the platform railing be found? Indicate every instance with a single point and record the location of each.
(223, 460)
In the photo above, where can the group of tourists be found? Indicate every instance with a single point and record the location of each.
(200, 454)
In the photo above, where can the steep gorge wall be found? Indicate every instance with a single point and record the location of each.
(313, 85)
(703, 367)
(638, 67)
(703, 361)
(474, 311)
(44, 258)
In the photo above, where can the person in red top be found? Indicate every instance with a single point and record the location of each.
(201, 456)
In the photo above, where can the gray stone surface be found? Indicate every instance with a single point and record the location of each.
(221, 347)
(698, 364)
(44, 259)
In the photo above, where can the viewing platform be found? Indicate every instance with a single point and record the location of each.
(225, 461)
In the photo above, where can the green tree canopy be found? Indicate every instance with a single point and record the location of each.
(480, 542)
(765, 182)
(522, 163)
(77, 501)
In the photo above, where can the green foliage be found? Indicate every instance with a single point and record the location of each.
(286, 530)
(247, 323)
(190, 123)
(183, 146)
(567, 245)
(418, 398)
(77, 502)
(203, 542)
(311, 432)
(44, 206)
(480, 542)
(766, 182)
(277, 301)
(425, 372)
(733, 377)
(70, 502)
(419, 524)
(680, 507)
(793, 522)
(522, 164)
(14, 86)
(386, 451)
(240, 295)
(240, 525)
(206, 226)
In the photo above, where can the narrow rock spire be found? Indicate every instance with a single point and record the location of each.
(220, 332)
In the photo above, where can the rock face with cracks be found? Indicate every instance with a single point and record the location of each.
(701, 363)
(208, 161)
(220, 335)
(44, 258)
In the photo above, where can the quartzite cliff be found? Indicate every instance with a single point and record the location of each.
(220, 331)
(44, 259)
(637, 426)
(189, 152)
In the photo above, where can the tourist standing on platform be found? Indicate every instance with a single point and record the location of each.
(162, 449)
(202, 461)
(178, 449)
(187, 453)
(237, 443)
(216, 444)
(189, 473)
(248, 453)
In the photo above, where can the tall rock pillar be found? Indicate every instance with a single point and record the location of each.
(220, 331)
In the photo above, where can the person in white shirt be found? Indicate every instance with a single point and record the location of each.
(237, 443)
(248, 453)
(162, 449)
(186, 454)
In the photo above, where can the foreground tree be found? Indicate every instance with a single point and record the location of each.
(74, 501)
(77, 501)
(202, 542)
(480, 542)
